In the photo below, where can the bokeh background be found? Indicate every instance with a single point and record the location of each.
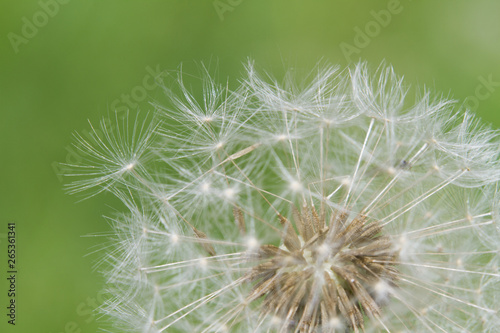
(64, 62)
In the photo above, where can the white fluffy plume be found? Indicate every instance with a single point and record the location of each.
(322, 204)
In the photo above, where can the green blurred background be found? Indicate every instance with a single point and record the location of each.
(66, 62)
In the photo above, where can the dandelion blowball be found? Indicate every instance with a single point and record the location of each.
(318, 204)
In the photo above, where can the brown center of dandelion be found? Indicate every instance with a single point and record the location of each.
(326, 278)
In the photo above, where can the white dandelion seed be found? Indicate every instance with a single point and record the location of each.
(109, 153)
(323, 205)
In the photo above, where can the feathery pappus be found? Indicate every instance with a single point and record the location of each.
(327, 203)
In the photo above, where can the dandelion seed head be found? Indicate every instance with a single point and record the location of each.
(326, 203)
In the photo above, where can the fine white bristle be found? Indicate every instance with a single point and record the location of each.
(322, 204)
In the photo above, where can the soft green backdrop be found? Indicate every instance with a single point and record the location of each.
(84, 55)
